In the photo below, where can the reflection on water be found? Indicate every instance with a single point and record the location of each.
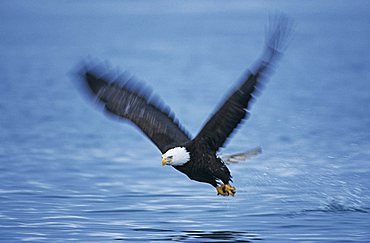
(186, 236)
(202, 236)
(220, 236)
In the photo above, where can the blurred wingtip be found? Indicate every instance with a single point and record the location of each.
(87, 77)
(279, 33)
(91, 75)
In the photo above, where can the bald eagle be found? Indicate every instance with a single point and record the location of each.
(196, 157)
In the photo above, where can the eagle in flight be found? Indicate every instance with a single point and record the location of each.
(196, 157)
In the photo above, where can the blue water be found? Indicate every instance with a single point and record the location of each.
(67, 172)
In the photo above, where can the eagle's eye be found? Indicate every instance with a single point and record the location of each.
(170, 157)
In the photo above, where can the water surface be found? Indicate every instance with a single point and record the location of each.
(70, 173)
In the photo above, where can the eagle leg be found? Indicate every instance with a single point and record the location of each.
(225, 190)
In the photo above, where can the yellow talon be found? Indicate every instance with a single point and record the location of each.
(220, 191)
(225, 190)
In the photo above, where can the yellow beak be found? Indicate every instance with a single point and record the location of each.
(166, 161)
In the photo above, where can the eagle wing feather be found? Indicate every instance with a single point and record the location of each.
(132, 101)
(235, 107)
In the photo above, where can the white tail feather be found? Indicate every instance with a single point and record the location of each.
(240, 157)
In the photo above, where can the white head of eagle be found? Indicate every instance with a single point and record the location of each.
(175, 156)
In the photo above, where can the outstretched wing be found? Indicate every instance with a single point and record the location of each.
(235, 108)
(129, 99)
